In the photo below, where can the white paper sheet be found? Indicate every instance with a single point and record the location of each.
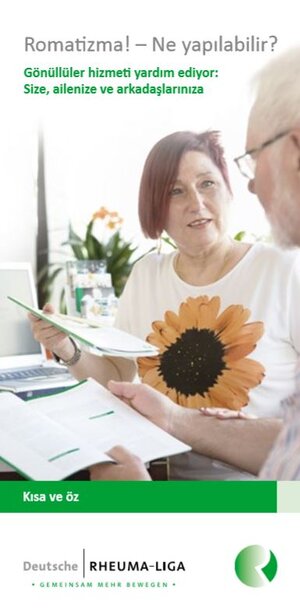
(50, 438)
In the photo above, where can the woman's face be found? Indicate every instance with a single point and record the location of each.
(199, 204)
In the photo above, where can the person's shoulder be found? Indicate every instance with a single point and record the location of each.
(152, 262)
(275, 256)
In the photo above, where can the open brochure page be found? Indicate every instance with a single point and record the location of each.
(51, 438)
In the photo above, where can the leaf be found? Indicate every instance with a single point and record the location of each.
(120, 247)
(51, 277)
(113, 243)
(62, 302)
(240, 236)
(123, 255)
(76, 243)
(78, 252)
(119, 264)
(73, 237)
(89, 229)
(44, 271)
(94, 248)
(144, 254)
(168, 240)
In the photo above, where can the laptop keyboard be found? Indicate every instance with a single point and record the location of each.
(31, 374)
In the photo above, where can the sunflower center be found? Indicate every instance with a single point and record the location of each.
(193, 363)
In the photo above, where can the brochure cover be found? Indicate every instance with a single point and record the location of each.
(106, 106)
(107, 340)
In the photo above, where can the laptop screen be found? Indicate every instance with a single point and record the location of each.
(16, 339)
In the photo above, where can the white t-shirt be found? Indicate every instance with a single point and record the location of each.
(267, 281)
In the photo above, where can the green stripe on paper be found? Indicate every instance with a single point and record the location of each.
(102, 414)
(156, 496)
(68, 452)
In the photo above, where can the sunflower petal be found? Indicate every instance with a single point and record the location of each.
(248, 366)
(238, 351)
(195, 303)
(235, 315)
(161, 386)
(157, 326)
(191, 401)
(172, 394)
(188, 318)
(223, 397)
(147, 363)
(207, 313)
(152, 377)
(157, 341)
(172, 320)
(246, 338)
(181, 399)
(232, 333)
(169, 334)
(236, 380)
(202, 401)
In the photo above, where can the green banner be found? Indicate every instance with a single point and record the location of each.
(174, 496)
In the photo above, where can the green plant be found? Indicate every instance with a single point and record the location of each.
(102, 241)
(111, 247)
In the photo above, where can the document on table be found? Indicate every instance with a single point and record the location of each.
(51, 438)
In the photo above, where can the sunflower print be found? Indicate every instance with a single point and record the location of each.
(202, 359)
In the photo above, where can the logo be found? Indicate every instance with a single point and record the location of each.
(256, 566)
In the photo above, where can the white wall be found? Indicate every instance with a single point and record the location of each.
(18, 163)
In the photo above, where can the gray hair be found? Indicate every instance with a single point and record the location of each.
(277, 103)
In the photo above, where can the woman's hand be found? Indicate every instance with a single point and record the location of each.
(51, 338)
(128, 467)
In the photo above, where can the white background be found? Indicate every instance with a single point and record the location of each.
(96, 146)
(206, 544)
(95, 150)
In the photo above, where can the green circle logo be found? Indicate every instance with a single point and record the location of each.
(256, 566)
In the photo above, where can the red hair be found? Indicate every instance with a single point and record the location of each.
(160, 172)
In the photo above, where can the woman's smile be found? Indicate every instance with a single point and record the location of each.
(199, 224)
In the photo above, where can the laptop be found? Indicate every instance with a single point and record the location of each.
(24, 368)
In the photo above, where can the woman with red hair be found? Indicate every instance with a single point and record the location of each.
(222, 313)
